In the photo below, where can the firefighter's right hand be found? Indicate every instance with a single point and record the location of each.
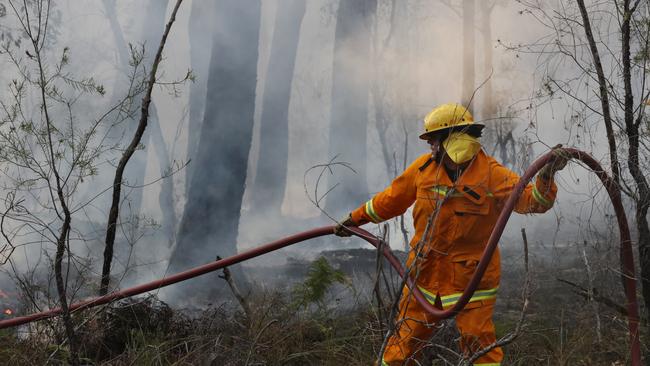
(341, 227)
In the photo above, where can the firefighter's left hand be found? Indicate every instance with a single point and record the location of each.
(558, 162)
(341, 227)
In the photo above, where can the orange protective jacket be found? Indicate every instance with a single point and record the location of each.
(461, 216)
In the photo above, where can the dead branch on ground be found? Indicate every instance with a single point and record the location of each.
(235, 290)
(580, 290)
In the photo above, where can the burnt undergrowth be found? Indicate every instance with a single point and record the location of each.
(305, 324)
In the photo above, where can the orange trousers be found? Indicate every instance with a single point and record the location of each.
(415, 327)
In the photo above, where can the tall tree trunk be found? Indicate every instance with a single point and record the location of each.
(271, 176)
(350, 92)
(121, 44)
(155, 20)
(488, 109)
(492, 137)
(118, 180)
(118, 88)
(200, 25)
(642, 201)
(604, 94)
(381, 99)
(157, 10)
(210, 220)
(632, 126)
(166, 195)
(136, 169)
(468, 53)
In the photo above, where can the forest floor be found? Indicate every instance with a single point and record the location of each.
(314, 322)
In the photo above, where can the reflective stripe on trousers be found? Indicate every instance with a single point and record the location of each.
(450, 300)
(384, 363)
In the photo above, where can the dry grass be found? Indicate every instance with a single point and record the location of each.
(282, 330)
(147, 332)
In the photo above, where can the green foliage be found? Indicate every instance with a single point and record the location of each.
(319, 280)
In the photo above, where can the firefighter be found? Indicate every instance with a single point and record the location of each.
(458, 191)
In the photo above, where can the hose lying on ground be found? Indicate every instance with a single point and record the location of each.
(626, 257)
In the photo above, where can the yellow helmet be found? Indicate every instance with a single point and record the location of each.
(448, 116)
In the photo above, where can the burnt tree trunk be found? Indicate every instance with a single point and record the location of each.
(210, 219)
(271, 176)
(200, 25)
(349, 110)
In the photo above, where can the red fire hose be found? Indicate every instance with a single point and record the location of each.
(626, 257)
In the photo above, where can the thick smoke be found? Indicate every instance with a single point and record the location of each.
(415, 62)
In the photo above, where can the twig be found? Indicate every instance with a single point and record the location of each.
(590, 292)
(596, 296)
(257, 337)
(324, 167)
(378, 270)
(402, 225)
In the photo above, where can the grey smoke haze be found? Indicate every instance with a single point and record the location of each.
(424, 54)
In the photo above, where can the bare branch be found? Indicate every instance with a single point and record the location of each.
(604, 99)
(117, 181)
(580, 290)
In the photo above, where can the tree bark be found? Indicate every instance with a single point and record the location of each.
(210, 221)
(350, 93)
(271, 176)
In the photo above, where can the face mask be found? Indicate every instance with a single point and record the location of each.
(461, 147)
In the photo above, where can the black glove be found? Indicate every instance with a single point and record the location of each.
(340, 229)
(558, 162)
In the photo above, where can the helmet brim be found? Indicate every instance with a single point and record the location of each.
(474, 129)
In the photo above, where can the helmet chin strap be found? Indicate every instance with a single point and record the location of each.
(438, 155)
